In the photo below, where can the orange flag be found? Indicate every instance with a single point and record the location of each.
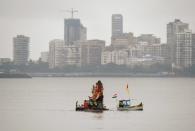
(127, 89)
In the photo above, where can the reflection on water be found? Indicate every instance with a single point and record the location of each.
(98, 116)
(48, 104)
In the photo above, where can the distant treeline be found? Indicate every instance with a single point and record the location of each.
(42, 67)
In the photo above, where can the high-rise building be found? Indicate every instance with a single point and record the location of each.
(184, 49)
(56, 53)
(21, 50)
(91, 51)
(172, 29)
(117, 25)
(74, 31)
(193, 49)
(120, 40)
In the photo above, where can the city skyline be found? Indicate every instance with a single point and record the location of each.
(35, 24)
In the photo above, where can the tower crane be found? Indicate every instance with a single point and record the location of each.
(71, 11)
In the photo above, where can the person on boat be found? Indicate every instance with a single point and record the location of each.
(121, 104)
(85, 104)
(93, 90)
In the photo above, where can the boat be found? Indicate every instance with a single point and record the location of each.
(125, 105)
(90, 109)
(95, 102)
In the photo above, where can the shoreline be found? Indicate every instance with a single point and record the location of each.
(105, 75)
(131, 75)
(15, 75)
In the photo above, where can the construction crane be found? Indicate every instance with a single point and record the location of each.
(71, 11)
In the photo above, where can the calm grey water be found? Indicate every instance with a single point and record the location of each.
(47, 104)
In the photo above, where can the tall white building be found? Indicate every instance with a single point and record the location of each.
(21, 49)
(117, 25)
(56, 53)
(184, 49)
(173, 28)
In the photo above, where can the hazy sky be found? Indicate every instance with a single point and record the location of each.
(43, 21)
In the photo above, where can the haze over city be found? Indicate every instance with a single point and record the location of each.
(43, 20)
(91, 65)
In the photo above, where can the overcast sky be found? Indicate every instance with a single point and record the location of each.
(43, 21)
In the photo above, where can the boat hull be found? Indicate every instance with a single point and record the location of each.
(92, 109)
(98, 110)
(131, 108)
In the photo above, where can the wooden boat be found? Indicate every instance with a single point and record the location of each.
(125, 105)
(90, 109)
